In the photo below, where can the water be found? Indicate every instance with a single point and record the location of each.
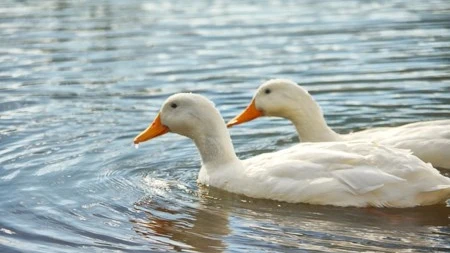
(80, 79)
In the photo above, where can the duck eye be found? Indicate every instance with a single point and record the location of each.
(267, 91)
(173, 105)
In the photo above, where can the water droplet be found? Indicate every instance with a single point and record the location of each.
(136, 146)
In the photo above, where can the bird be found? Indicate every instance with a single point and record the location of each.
(359, 174)
(428, 140)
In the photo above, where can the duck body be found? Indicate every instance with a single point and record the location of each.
(430, 140)
(334, 173)
(356, 173)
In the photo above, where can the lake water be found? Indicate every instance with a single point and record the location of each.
(80, 79)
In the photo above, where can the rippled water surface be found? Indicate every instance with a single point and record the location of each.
(79, 79)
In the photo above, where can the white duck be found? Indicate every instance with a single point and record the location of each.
(429, 140)
(331, 173)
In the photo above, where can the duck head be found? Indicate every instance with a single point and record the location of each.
(195, 117)
(278, 98)
(187, 114)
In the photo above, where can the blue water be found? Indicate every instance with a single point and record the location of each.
(80, 79)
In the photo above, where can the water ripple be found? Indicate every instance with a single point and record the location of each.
(80, 79)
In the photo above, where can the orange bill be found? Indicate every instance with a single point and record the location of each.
(250, 113)
(154, 130)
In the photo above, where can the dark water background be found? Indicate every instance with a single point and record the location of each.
(79, 79)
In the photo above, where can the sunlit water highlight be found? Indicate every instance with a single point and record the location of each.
(80, 79)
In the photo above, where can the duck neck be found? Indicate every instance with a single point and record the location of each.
(311, 125)
(216, 148)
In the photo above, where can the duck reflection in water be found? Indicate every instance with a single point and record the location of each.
(206, 222)
(199, 226)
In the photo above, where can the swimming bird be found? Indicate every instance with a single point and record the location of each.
(329, 173)
(428, 140)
